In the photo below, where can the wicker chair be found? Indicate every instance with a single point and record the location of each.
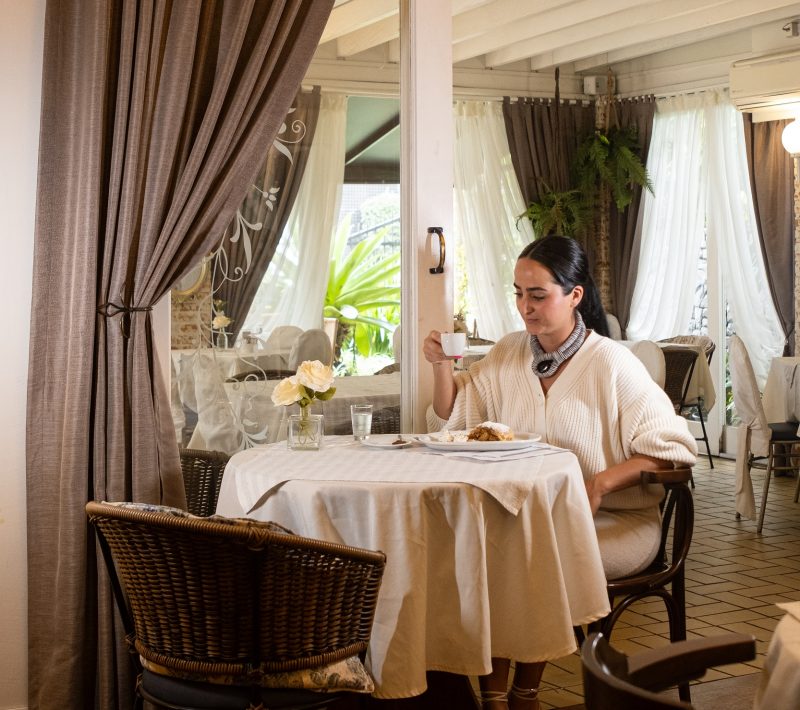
(613, 680)
(386, 420)
(679, 363)
(700, 341)
(205, 599)
(258, 374)
(202, 478)
(677, 526)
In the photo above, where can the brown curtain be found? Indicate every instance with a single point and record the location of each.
(254, 248)
(772, 185)
(533, 129)
(155, 117)
(625, 228)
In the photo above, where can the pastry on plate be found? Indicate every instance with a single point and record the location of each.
(490, 431)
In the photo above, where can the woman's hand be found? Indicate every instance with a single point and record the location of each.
(432, 348)
(595, 493)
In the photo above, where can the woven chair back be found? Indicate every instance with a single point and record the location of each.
(211, 597)
(679, 365)
(701, 341)
(202, 478)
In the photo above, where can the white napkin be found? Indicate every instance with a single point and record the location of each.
(792, 608)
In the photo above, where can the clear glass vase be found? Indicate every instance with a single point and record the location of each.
(305, 431)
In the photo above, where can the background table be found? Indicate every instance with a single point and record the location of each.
(780, 678)
(229, 413)
(465, 578)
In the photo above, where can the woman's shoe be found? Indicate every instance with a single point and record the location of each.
(491, 699)
(528, 696)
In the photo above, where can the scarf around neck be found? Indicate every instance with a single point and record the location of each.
(546, 364)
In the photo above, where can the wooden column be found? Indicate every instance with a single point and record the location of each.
(602, 266)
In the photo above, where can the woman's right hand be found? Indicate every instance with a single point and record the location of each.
(432, 348)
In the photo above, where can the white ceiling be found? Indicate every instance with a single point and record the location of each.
(580, 36)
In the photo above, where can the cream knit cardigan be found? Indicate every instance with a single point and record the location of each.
(604, 407)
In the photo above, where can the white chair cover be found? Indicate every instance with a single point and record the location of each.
(614, 328)
(283, 337)
(314, 344)
(652, 358)
(754, 434)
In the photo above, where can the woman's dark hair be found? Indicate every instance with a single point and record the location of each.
(565, 259)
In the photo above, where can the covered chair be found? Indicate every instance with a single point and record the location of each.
(312, 344)
(283, 337)
(234, 614)
(758, 439)
(613, 680)
(652, 358)
(614, 328)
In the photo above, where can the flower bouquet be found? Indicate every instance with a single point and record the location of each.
(313, 380)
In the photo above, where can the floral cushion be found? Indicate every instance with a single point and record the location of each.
(348, 674)
(178, 513)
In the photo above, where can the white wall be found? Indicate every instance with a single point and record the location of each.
(21, 37)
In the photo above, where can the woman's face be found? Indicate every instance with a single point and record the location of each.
(542, 303)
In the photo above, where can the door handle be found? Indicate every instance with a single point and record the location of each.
(439, 269)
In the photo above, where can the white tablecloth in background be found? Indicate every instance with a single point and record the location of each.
(781, 397)
(465, 578)
(780, 678)
(232, 405)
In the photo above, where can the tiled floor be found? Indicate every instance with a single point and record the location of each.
(734, 578)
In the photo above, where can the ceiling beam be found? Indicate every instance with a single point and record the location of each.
(559, 17)
(356, 14)
(731, 11)
(641, 49)
(622, 29)
(372, 139)
(388, 29)
(478, 21)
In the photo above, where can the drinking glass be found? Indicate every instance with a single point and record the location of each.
(361, 416)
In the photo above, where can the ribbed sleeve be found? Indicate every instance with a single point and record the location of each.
(604, 407)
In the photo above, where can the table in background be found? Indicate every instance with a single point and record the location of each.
(780, 678)
(781, 397)
(465, 577)
(230, 412)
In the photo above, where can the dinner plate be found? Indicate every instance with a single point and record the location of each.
(520, 441)
(384, 441)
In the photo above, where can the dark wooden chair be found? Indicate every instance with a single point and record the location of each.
(679, 363)
(614, 680)
(202, 478)
(664, 578)
(233, 602)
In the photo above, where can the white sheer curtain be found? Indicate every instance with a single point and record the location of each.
(487, 201)
(698, 166)
(731, 219)
(293, 289)
(674, 220)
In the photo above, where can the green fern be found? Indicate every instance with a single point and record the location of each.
(562, 213)
(611, 160)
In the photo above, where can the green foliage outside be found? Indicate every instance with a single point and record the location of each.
(363, 294)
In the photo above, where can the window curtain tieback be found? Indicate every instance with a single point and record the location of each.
(109, 309)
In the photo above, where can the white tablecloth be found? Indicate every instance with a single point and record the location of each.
(465, 578)
(780, 678)
(231, 412)
(781, 397)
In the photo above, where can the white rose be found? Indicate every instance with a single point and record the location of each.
(313, 375)
(220, 321)
(287, 391)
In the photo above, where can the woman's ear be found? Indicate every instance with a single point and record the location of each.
(577, 296)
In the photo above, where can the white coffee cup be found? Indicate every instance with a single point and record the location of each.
(453, 344)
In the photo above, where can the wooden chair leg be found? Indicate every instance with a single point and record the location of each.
(767, 476)
(705, 439)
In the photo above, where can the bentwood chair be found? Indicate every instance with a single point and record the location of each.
(768, 446)
(613, 680)
(202, 478)
(664, 578)
(236, 614)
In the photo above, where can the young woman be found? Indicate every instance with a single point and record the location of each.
(581, 391)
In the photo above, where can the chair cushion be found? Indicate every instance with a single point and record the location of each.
(348, 674)
(208, 696)
(179, 513)
(784, 431)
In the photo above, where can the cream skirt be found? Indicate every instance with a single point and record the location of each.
(628, 539)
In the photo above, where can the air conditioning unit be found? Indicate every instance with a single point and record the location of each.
(768, 86)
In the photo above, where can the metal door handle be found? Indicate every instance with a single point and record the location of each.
(442, 249)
